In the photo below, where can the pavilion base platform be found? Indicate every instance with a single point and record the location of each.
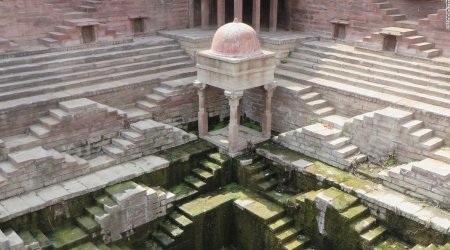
(220, 139)
(280, 42)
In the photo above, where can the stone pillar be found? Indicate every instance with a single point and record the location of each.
(256, 15)
(191, 14)
(266, 123)
(205, 13)
(220, 13)
(202, 109)
(288, 11)
(233, 128)
(273, 15)
(238, 9)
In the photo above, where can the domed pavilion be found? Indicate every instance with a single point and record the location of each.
(235, 63)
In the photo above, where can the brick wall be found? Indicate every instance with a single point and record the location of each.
(415, 9)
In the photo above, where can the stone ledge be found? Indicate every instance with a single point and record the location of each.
(372, 194)
(44, 197)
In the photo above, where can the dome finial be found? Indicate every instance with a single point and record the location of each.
(236, 20)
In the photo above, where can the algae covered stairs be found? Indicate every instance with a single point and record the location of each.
(340, 216)
(210, 174)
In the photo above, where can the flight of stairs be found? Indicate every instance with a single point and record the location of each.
(344, 68)
(207, 176)
(156, 101)
(75, 16)
(172, 230)
(287, 235)
(7, 45)
(390, 13)
(409, 42)
(89, 70)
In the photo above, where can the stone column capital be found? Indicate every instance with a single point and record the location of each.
(236, 94)
(270, 88)
(199, 85)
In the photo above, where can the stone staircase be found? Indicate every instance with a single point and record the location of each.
(390, 13)
(35, 168)
(431, 247)
(413, 140)
(171, 231)
(75, 17)
(409, 42)
(434, 20)
(207, 176)
(93, 69)
(344, 68)
(315, 102)
(160, 97)
(70, 122)
(324, 142)
(144, 138)
(427, 179)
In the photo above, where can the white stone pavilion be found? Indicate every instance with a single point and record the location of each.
(235, 63)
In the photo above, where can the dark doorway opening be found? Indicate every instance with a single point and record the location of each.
(88, 34)
(138, 25)
(389, 43)
(247, 12)
(229, 11)
(265, 15)
(339, 31)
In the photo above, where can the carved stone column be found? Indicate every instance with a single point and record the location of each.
(238, 9)
(266, 123)
(202, 109)
(220, 13)
(256, 15)
(273, 15)
(233, 128)
(205, 13)
(191, 13)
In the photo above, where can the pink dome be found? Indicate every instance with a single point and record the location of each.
(236, 39)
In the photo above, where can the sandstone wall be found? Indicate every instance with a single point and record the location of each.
(418, 8)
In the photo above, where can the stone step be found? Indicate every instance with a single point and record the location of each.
(195, 182)
(442, 154)
(422, 134)
(155, 98)
(147, 106)
(355, 213)
(432, 143)
(324, 111)
(50, 122)
(113, 151)
(322, 132)
(67, 237)
(163, 239)
(20, 142)
(180, 219)
(311, 96)
(390, 11)
(135, 114)
(317, 104)
(86, 8)
(391, 243)
(422, 45)
(357, 81)
(183, 192)
(29, 241)
(171, 229)
(281, 224)
(163, 92)
(430, 53)
(263, 176)
(178, 83)
(287, 235)
(395, 17)
(413, 125)
(49, 42)
(255, 167)
(345, 151)
(202, 174)
(7, 170)
(58, 35)
(218, 158)
(210, 166)
(268, 185)
(14, 240)
(377, 76)
(123, 144)
(338, 143)
(44, 241)
(337, 121)
(363, 225)
(373, 235)
(344, 52)
(151, 244)
(132, 135)
(299, 243)
(39, 131)
(88, 224)
(432, 168)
